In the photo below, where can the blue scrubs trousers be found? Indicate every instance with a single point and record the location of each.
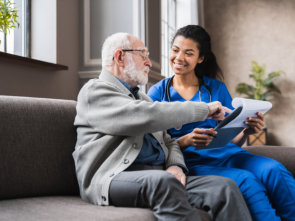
(261, 180)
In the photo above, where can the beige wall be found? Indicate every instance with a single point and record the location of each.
(21, 80)
(264, 31)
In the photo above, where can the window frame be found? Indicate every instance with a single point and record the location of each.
(168, 28)
(25, 57)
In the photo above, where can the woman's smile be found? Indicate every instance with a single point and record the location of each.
(179, 66)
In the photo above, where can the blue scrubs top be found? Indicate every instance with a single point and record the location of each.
(219, 92)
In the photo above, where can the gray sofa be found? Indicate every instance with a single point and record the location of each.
(37, 174)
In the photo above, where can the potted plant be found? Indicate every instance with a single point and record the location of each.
(8, 17)
(263, 89)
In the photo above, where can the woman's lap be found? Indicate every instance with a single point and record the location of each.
(265, 177)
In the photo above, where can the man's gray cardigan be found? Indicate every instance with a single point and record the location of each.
(111, 124)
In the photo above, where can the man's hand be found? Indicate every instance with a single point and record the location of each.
(178, 173)
(217, 111)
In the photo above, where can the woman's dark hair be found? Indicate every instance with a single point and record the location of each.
(209, 66)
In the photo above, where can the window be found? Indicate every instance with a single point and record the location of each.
(17, 40)
(168, 23)
(176, 14)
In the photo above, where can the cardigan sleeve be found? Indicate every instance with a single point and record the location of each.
(175, 156)
(107, 110)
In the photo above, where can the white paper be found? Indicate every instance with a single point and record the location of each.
(250, 108)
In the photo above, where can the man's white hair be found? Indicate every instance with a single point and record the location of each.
(116, 41)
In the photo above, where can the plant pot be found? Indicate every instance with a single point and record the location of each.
(258, 139)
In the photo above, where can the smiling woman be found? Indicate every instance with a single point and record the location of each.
(263, 181)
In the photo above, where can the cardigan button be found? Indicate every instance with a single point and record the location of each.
(126, 161)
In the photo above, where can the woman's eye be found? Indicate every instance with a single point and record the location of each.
(189, 54)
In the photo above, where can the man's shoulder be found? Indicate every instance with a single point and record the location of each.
(98, 84)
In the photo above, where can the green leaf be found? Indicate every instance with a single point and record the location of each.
(255, 67)
(273, 88)
(271, 77)
(246, 89)
(266, 96)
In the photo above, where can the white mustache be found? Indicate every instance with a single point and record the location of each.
(146, 69)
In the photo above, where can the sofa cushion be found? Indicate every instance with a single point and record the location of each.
(67, 208)
(36, 145)
(71, 209)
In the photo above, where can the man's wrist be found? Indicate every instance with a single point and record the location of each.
(184, 169)
(181, 142)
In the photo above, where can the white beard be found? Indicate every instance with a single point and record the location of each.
(137, 76)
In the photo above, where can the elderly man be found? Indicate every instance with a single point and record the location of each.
(123, 155)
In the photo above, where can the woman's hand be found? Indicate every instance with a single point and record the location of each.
(197, 138)
(255, 124)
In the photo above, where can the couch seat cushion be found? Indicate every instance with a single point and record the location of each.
(67, 208)
(71, 208)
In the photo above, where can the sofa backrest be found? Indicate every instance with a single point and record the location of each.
(37, 138)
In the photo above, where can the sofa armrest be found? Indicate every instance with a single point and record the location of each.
(283, 154)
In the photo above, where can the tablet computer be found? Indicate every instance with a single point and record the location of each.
(229, 118)
(225, 135)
